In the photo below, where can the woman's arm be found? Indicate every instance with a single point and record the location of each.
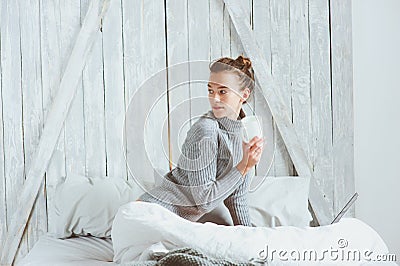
(237, 204)
(207, 190)
(199, 161)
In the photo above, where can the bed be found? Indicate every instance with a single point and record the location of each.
(107, 227)
(158, 230)
(79, 251)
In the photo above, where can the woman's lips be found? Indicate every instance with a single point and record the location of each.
(217, 108)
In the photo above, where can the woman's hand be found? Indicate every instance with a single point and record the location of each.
(252, 151)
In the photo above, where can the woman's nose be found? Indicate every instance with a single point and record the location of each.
(216, 98)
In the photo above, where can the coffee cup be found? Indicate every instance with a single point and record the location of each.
(252, 126)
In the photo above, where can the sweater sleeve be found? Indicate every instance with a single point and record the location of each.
(237, 204)
(199, 160)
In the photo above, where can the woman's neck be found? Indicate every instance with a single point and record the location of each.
(234, 116)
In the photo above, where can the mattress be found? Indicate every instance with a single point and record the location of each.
(82, 251)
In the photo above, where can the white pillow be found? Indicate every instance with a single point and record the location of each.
(280, 201)
(87, 206)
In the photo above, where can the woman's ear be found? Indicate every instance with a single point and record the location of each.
(246, 94)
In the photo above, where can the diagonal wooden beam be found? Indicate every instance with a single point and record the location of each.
(278, 109)
(56, 117)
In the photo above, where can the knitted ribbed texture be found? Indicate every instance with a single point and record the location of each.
(206, 173)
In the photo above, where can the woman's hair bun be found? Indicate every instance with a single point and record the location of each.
(245, 60)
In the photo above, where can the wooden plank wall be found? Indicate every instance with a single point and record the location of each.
(306, 42)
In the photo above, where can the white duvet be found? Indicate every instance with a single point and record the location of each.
(139, 228)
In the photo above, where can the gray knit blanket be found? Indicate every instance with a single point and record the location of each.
(189, 257)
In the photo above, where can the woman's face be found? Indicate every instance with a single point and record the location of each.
(225, 95)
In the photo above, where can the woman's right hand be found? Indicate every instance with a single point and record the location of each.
(252, 152)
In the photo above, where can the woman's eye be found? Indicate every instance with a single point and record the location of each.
(222, 91)
(210, 91)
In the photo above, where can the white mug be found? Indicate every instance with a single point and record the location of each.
(252, 126)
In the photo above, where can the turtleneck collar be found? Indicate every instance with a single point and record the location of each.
(226, 123)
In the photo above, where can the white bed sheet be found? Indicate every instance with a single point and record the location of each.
(154, 225)
(82, 251)
(156, 229)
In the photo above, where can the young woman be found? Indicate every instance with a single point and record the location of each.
(214, 163)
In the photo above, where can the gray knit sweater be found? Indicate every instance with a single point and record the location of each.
(206, 173)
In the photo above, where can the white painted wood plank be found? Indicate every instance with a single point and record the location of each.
(236, 45)
(216, 28)
(342, 102)
(280, 65)
(262, 33)
(133, 76)
(199, 49)
(300, 74)
(32, 107)
(279, 111)
(199, 30)
(300, 78)
(74, 124)
(262, 26)
(93, 107)
(51, 77)
(144, 56)
(133, 73)
(3, 209)
(321, 96)
(51, 131)
(226, 36)
(12, 111)
(144, 124)
(219, 30)
(265, 165)
(156, 43)
(178, 93)
(114, 90)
